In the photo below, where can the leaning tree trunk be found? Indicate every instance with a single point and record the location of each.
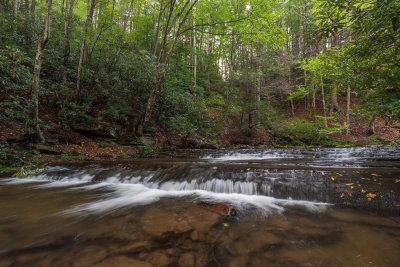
(162, 66)
(38, 137)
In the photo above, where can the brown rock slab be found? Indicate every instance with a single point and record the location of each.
(159, 259)
(186, 260)
(159, 223)
(123, 261)
(89, 256)
(252, 243)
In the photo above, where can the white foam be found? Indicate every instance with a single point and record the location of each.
(124, 195)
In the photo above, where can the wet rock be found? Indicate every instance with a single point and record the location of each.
(6, 262)
(89, 256)
(132, 247)
(202, 220)
(159, 259)
(279, 222)
(159, 224)
(252, 243)
(186, 260)
(238, 262)
(220, 208)
(123, 261)
(29, 258)
(203, 255)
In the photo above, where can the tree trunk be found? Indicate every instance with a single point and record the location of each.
(67, 32)
(38, 137)
(348, 106)
(161, 68)
(15, 7)
(371, 130)
(158, 30)
(33, 8)
(335, 105)
(84, 47)
(323, 102)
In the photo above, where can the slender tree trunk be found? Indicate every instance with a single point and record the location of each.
(194, 49)
(335, 105)
(15, 7)
(158, 29)
(258, 95)
(33, 8)
(38, 137)
(84, 47)
(67, 33)
(348, 105)
(323, 102)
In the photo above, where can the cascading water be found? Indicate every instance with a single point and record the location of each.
(275, 190)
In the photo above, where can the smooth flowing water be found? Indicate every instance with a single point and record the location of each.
(294, 207)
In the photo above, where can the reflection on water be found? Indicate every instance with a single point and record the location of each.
(143, 213)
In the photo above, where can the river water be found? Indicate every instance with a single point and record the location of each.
(294, 207)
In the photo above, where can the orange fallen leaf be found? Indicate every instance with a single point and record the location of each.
(363, 191)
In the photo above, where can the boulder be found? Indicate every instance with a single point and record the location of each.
(97, 131)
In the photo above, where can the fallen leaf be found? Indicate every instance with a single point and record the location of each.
(342, 195)
(333, 179)
(350, 184)
(363, 191)
(351, 187)
(338, 174)
(350, 195)
(374, 174)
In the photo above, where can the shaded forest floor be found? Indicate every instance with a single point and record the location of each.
(71, 144)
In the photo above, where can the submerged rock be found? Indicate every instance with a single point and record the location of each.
(161, 224)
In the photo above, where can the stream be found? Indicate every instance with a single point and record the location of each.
(293, 207)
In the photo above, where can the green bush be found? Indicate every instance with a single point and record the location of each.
(102, 144)
(10, 157)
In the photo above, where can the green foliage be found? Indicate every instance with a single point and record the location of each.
(148, 151)
(296, 132)
(65, 156)
(102, 144)
(10, 157)
(29, 170)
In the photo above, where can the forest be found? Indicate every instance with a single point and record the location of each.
(120, 77)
